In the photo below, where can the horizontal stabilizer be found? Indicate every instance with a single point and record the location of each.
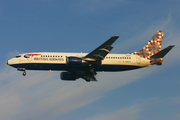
(163, 52)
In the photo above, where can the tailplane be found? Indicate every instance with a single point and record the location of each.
(158, 57)
(163, 52)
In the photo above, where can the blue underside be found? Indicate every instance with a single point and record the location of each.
(45, 66)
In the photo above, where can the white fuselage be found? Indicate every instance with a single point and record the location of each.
(57, 61)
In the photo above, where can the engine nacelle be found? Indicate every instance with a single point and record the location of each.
(74, 61)
(68, 76)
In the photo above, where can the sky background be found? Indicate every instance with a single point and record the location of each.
(151, 93)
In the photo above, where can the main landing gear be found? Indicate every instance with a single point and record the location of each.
(90, 76)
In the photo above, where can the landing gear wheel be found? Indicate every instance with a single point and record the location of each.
(24, 73)
(87, 79)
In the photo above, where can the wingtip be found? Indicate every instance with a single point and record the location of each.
(171, 46)
(116, 36)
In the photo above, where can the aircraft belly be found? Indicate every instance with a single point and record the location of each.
(117, 67)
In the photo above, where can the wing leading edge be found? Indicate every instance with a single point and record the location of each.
(100, 52)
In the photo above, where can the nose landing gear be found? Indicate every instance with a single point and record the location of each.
(24, 73)
(22, 69)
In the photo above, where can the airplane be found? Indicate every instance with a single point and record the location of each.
(86, 66)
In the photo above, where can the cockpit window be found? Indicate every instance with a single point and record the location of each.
(18, 56)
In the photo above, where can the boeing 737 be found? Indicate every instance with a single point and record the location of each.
(86, 66)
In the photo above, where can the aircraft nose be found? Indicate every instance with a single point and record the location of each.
(10, 62)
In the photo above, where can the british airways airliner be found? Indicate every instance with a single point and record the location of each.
(86, 66)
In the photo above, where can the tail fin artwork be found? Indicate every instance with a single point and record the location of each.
(152, 48)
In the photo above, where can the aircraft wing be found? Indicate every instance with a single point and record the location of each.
(94, 59)
(100, 52)
(96, 56)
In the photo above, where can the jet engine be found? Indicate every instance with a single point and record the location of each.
(68, 76)
(75, 61)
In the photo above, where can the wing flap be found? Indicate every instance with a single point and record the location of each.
(89, 78)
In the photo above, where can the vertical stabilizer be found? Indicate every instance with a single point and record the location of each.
(152, 47)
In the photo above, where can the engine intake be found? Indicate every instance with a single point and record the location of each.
(68, 76)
